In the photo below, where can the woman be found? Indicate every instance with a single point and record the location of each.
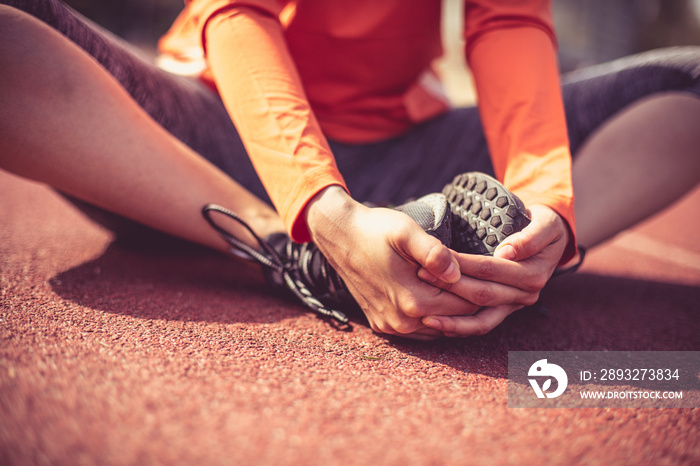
(327, 101)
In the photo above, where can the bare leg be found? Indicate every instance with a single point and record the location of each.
(65, 121)
(642, 160)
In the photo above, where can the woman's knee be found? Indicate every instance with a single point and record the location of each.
(30, 56)
(19, 36)
(16, 28)
(11, 21)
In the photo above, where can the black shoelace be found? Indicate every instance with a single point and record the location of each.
(297, 262)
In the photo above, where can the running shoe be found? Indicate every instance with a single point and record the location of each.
(432, 214)
(301, 268)
(484, 213)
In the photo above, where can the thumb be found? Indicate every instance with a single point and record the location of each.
(519, 246)
(532, 239)
(431, 254)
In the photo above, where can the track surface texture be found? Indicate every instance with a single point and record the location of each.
(168, 354)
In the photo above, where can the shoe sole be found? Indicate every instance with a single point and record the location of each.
(484, 213)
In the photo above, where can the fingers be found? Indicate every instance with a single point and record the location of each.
(428, 251)
(461, 294)
(401, 316)
(521, 245)
(525, 260)
(464, 326)
(546, 228)
(423, 299)
(447, 304)
(524, 276)
(382, 274)
(424, 334)
(486, 293)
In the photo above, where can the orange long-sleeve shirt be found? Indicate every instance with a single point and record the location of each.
(293, 73)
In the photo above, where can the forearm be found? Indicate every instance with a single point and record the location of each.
(264, 95)
(521, 106)
(523, 115)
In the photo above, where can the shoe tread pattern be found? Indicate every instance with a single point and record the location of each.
(484, 213)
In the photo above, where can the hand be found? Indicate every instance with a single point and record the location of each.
(378, 253)
(510, 280)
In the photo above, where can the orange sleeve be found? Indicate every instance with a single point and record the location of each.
(264, 96)
(511, 51)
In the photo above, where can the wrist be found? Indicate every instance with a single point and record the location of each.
(562, 230)
(546, 212)
(327, 210)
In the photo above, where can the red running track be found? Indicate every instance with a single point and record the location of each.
(116, 355)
